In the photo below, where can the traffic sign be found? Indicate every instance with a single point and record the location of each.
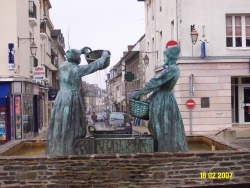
(190, 103)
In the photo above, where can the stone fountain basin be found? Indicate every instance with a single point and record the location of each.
(112, 143)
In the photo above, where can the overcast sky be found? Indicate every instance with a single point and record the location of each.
(99, 24)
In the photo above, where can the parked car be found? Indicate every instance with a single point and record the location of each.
(119, 121)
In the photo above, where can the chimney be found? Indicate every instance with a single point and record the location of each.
(130, 47)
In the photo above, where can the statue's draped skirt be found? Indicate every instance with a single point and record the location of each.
(66, 124)
(165, 123)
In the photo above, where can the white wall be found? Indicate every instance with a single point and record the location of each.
(213, 74)
(15, 19)
(202, 13)
(8, 19)
(212, 15)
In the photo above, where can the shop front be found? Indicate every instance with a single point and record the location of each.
(4, 111)
(24, 109)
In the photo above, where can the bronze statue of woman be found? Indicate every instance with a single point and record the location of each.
(66, 124)
(165, 121)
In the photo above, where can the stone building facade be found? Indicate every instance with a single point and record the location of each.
(25, 78)
(215, 69)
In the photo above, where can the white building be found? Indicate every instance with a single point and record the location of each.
(25, 99)
(221, 72)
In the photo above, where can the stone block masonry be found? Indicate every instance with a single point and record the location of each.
(146, 170)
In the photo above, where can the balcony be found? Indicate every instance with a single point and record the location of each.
(43, 26)
(32, 14)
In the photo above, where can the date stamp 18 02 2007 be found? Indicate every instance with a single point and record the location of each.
(216, 175)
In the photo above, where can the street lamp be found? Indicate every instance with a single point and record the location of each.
(33, 47)
(146, 58)
(194, 34)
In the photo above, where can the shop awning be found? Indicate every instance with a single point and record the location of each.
(4, 91)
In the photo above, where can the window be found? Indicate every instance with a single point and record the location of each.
(238, 31)
(49, 46)
(248, 31)
(205, 102)
(35, 63)
(117, 116)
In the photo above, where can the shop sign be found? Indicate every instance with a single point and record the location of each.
(203, 50)
(3, 135)
(52, 93)
(11, 51)
(38, 73)
(18, 128)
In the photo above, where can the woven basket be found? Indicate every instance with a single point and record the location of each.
(139, 109)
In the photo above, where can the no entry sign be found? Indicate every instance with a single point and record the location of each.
(190, 103)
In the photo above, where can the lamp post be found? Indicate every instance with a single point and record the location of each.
(146, 58)
(33, 47)
(194, 36)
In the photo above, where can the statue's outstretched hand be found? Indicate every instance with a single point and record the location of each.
(85, 50)
(105, 54)
(136, 96)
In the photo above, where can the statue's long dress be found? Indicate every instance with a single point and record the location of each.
(165, 121)
(66, 124)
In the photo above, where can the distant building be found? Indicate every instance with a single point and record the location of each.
(126, 77)
(94, 98)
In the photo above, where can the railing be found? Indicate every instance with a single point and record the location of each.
(32, 9)
(54, 60)
(43, 26)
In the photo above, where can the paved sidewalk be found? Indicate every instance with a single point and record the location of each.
(141, 129)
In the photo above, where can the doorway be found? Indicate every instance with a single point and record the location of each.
(240, 100)
(246, 104)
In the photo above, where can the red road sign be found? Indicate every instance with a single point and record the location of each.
(190, 103)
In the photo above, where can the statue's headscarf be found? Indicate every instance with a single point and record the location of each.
(171, 54)
(73, 56)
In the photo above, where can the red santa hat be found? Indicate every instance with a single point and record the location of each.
(171, 43)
